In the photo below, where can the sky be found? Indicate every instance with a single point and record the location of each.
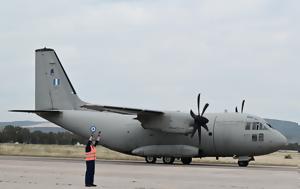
(157, 54)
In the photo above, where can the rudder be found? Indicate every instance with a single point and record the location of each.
(53, 89)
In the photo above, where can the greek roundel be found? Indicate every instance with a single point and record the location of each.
(56, 82)
(93, 128)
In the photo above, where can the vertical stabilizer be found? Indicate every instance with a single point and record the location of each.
(53, 89)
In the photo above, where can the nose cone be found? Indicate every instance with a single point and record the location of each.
(280, 141)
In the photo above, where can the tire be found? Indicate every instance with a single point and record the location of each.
(186, 160)
(243, 163)
(168, 160)
(150, 159)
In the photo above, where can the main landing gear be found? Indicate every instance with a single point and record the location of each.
(150, 159)
(186, 160)
(168, 160)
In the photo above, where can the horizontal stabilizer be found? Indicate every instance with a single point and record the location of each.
(37, 111)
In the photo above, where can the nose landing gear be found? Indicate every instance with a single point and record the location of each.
(243, 163)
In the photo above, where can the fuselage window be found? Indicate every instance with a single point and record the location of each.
(248, 126)
(254, 126)
(254, 137)
(260, 137)
(259, 126)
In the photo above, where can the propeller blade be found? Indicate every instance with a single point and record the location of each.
(204, 108)
(198, 103)
(194, 131)
(243, 103)
(205, 127)
(236, 110)
(192, 114)
(199, 136)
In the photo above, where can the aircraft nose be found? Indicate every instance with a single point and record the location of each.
(281, 140)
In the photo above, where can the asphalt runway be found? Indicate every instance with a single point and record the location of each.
(43, 173)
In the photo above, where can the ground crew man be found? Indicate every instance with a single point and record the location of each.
(90, 158)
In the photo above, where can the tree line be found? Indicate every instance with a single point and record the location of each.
(12, 134)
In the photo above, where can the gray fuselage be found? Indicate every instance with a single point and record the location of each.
(227, 134)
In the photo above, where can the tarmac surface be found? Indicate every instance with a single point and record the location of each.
(18, 172)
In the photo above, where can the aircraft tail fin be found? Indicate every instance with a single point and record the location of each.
(53, 88)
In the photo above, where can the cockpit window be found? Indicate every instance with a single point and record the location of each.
(248, 126)
(255, 126)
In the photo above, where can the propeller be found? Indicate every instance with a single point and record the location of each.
(199, 120)
(242, 109)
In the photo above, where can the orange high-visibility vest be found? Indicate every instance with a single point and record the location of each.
(89, 156)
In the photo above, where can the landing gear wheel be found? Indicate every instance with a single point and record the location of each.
(150, 159)
(186, 160)
(168, 160)
(243, 163)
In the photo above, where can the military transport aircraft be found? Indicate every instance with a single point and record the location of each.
(151, 134)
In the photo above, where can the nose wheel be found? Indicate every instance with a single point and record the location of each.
(243, 163)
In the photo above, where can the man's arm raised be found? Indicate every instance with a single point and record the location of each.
(98, 138)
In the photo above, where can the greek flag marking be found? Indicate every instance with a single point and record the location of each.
(56, 82)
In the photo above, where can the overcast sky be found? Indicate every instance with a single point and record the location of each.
(157, 54)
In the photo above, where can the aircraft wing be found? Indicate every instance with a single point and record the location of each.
(121, 110)
(144, 116)
(149, 119)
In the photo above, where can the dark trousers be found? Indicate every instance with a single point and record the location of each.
(90, 171)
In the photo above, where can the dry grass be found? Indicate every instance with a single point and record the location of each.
(69, 151)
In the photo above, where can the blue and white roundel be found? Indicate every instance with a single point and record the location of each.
(93, 128)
